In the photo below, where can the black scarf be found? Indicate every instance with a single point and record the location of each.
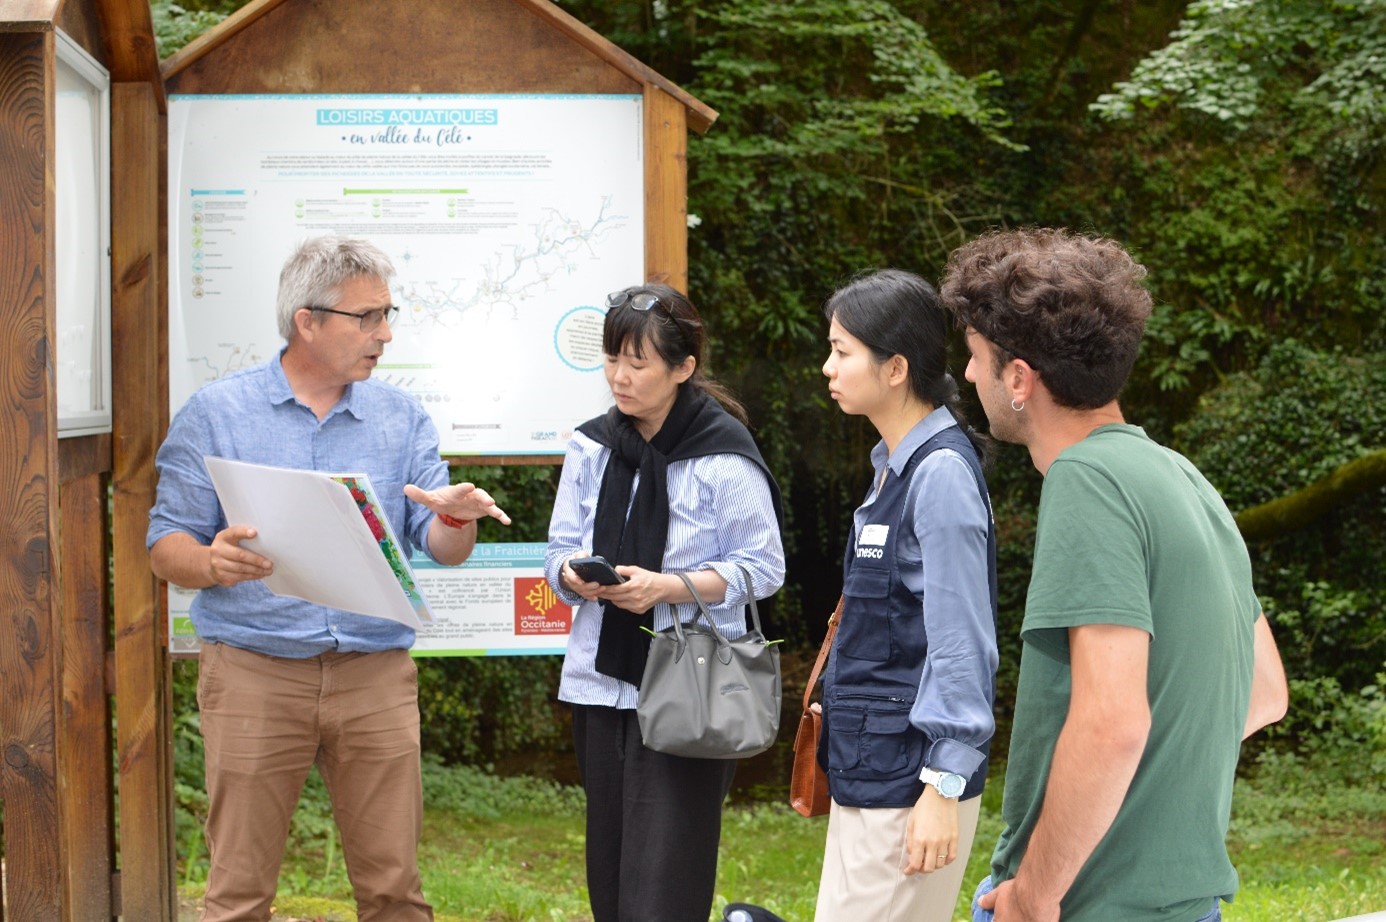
(697, 425)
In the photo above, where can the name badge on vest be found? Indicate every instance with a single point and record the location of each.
(872, 541)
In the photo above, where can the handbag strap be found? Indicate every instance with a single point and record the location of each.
(706, 615)
(723, 645)
(751, 600)
(833, 619)
(702, 611)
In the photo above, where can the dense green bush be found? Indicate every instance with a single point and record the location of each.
(1264, 433)
(1251, 152)
(1298, 415)
(481, 710)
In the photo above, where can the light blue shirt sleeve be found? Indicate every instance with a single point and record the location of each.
(958, 684)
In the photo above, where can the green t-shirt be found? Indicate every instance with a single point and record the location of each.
(1130, 533)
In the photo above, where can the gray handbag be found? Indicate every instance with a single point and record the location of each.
(706, 697)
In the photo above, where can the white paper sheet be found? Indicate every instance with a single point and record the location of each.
(317, 535)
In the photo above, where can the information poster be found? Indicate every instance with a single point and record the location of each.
(508, 219)
(496, 603)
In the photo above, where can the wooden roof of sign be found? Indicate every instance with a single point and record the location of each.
(301, 46)
(126, 34)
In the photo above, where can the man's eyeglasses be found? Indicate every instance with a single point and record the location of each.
(369, 319)
(638, 302)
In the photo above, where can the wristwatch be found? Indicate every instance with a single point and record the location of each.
(948, 785)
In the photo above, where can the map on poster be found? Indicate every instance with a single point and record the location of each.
(496, 603)
(508, 219)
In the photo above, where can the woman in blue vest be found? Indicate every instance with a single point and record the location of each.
(910, 681)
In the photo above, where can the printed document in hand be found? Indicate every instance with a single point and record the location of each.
(327, 535)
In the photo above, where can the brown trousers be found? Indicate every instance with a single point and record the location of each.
(266, 721)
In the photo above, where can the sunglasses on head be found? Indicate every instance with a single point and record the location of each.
(641, 301)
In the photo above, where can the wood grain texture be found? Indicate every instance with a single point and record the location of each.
(30, 653)
(336, 46)
(476, 46)
(128, 29)
(666, 190)
(85, 809)
(80, 21)
(28, 15)
(81, 456)
(209, 41)
(142, 665)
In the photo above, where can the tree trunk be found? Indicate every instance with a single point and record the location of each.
(1291, 513)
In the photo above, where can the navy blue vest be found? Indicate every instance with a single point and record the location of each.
(871, 751)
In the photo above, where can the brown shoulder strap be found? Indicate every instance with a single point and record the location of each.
(823, 652)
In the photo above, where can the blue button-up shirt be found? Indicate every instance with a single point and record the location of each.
(253, 416)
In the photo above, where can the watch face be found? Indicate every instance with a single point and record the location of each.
(951, 785)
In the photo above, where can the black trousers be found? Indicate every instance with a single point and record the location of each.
(653, 822)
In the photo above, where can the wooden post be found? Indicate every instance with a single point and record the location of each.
(30, 649)
(143, 674)
(86, 811)
(666, 189)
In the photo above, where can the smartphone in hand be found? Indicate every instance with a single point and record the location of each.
(595, 570)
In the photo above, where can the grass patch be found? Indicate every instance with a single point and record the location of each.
(1308, 845)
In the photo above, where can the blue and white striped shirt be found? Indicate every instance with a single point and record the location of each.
(720, 515)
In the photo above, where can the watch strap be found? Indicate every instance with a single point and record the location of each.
(931, 777)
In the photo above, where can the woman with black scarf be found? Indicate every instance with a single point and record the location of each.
(668, 480)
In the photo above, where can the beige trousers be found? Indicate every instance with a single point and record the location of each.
(862, 858)
(265, 722)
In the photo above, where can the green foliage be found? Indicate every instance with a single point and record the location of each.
(189, 781)
(483, 710)
(810, 111)
(1257, 165)
(1294, 418)
(1298, 415)
(1228, 56)
(1329, 631)
(1307, 824)
(1247, 241)
(814, 172)
(1330, 725)
(845, 142)
(476, 794)
(177, 24)
(1306, 837)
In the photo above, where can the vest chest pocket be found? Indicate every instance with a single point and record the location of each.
(872, 737)
(864, 632)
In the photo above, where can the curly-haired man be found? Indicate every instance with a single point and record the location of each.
(1146, 657)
